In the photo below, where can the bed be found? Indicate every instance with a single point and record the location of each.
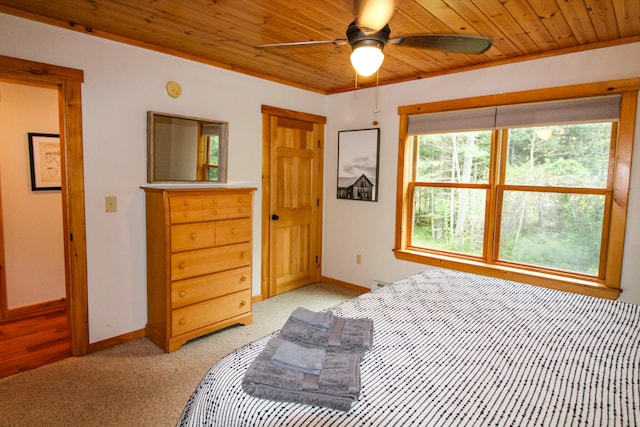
(453, 348)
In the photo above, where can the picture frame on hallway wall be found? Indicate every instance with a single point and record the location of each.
(358, 164)
(44, 158)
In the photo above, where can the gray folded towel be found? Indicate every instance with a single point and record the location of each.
(352, 335)
(320, 321)
(293, 356)
(337, 386)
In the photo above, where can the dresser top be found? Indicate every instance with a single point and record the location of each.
(186, 187)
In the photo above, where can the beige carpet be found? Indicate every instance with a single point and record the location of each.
(137, 384)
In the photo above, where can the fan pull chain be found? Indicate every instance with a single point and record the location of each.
(376, 110)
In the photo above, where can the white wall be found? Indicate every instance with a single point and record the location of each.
(372, 234)
(31, 220)
(121, 84)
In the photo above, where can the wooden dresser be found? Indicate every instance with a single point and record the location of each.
(198, 262)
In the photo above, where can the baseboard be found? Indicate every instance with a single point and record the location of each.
(114, 341)
(135, 335)
(36, 309)
(358, 288)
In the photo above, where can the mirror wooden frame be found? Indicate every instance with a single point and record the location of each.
(200, 154)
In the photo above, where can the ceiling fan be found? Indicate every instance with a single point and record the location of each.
(370, 33)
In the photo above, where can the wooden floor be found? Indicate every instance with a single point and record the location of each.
(33, 341)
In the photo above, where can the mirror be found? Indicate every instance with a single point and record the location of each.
(183, 148)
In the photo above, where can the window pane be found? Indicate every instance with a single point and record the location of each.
(213, 142)
(461, 157)
(212, 174)
(574, 155)
(450, 219)
(554, 230)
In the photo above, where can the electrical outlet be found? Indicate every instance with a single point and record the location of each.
(378, 284)
(110, 204)
(358, 259)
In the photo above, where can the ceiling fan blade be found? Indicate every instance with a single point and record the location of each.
(336, 42)
(373, 15)
(446, 42)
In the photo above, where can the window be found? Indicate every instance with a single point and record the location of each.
(531, 188)
(213, 151)
(211, 160)
(213, 166)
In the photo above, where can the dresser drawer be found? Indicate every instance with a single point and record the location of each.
(226, 206)
(191, 291)
(233, 231)
(205, 261)
(198, 235)
(205, 313)
(185, 209)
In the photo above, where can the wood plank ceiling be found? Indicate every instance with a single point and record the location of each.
(225, 32)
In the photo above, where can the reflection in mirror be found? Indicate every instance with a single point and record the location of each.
(185, 148)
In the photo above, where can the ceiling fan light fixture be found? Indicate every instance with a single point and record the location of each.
(367, 45)
(367, 54)
(366, 59)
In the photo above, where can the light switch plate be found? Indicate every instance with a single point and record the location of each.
(110, 204)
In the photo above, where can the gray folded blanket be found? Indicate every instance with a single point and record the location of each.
(320, 321)
(337, 386)
(293, 356)
(352, 335)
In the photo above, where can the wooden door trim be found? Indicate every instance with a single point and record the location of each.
(4, 309)
(267, 113)
(68, 81)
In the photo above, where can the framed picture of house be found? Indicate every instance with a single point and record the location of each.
(44, 156)
(358, 157)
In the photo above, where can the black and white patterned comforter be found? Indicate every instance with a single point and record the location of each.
(456, 349)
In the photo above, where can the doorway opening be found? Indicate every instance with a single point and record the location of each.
(74, 306)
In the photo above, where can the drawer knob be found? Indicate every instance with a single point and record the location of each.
(243, 303)
(182, 293)
(181, 266)
(194, 236)
(243, 278)
(186, 203)
(183, 321)
(234, 231)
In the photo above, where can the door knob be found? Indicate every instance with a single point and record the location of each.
(275, 217)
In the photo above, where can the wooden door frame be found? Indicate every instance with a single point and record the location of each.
(68, 82)
(267, 113)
